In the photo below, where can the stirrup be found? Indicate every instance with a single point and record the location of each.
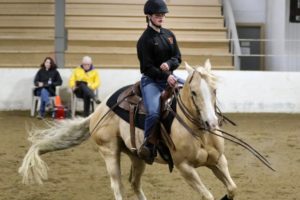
(145, 154)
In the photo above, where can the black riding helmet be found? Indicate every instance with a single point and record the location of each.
(155, 6)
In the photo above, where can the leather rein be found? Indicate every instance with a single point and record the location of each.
(203, 126)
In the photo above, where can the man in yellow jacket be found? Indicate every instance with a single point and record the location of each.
(84, 81)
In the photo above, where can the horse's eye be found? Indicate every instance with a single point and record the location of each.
(194, 93)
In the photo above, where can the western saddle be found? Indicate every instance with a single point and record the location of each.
(131, 100)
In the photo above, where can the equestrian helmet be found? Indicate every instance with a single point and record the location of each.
(155, 6)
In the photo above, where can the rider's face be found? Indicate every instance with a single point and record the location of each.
(158, 18)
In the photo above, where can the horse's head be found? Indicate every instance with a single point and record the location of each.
(200, 87)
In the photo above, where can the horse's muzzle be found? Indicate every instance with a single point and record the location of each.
(212, 125)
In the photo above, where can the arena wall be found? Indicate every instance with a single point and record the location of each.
(238, 91)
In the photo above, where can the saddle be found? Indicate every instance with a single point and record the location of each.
(132, 97)
(131, 100)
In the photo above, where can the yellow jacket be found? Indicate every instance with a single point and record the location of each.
(91, 77)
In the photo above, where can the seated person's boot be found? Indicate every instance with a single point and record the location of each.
(97, 101)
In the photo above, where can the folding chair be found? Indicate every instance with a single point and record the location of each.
(74, 100)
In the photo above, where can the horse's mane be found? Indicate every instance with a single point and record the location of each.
(211, 79)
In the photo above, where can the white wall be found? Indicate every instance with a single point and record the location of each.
(260, 92)
(249, 11)
(18, 83)
(238, 91)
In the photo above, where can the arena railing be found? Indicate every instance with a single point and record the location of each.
(232, 34)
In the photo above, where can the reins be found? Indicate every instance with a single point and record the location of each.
(201, 125)
(224, 118)
(185, 110)
(110, 109)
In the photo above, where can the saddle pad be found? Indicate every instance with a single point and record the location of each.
(140, 118)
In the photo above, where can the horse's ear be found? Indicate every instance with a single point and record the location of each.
(207, 65)
(188, 68)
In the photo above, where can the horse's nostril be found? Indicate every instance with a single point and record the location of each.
(213, 126)
(207, 124)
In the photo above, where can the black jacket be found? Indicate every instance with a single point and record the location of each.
(44, 76)
(155, 48)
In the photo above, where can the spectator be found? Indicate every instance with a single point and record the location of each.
(84, 81)
(46, 79)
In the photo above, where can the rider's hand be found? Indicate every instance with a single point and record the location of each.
(172, 80)
(165, 67)
(40, 84)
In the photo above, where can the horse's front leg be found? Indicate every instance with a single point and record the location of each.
(222, 173)
(137, 169)
(111, 155)
(191, 176)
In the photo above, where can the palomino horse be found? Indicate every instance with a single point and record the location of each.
(113, 137)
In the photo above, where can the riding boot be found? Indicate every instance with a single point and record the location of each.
(147, 151)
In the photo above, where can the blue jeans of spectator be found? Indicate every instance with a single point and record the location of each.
(45, 100)
(151, 91)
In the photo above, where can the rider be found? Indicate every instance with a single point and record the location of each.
(159, 56)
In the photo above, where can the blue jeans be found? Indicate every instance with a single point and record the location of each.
(45, 99)
(151, 91)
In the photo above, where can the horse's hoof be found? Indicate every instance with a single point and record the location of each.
(226, 198)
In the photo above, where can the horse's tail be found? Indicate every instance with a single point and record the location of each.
(58, 136)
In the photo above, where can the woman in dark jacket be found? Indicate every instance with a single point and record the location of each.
(159, 56)
(46, 79)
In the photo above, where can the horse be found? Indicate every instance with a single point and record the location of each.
(112, 135)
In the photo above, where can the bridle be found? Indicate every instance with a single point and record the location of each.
(193, 100)
(202, 126)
